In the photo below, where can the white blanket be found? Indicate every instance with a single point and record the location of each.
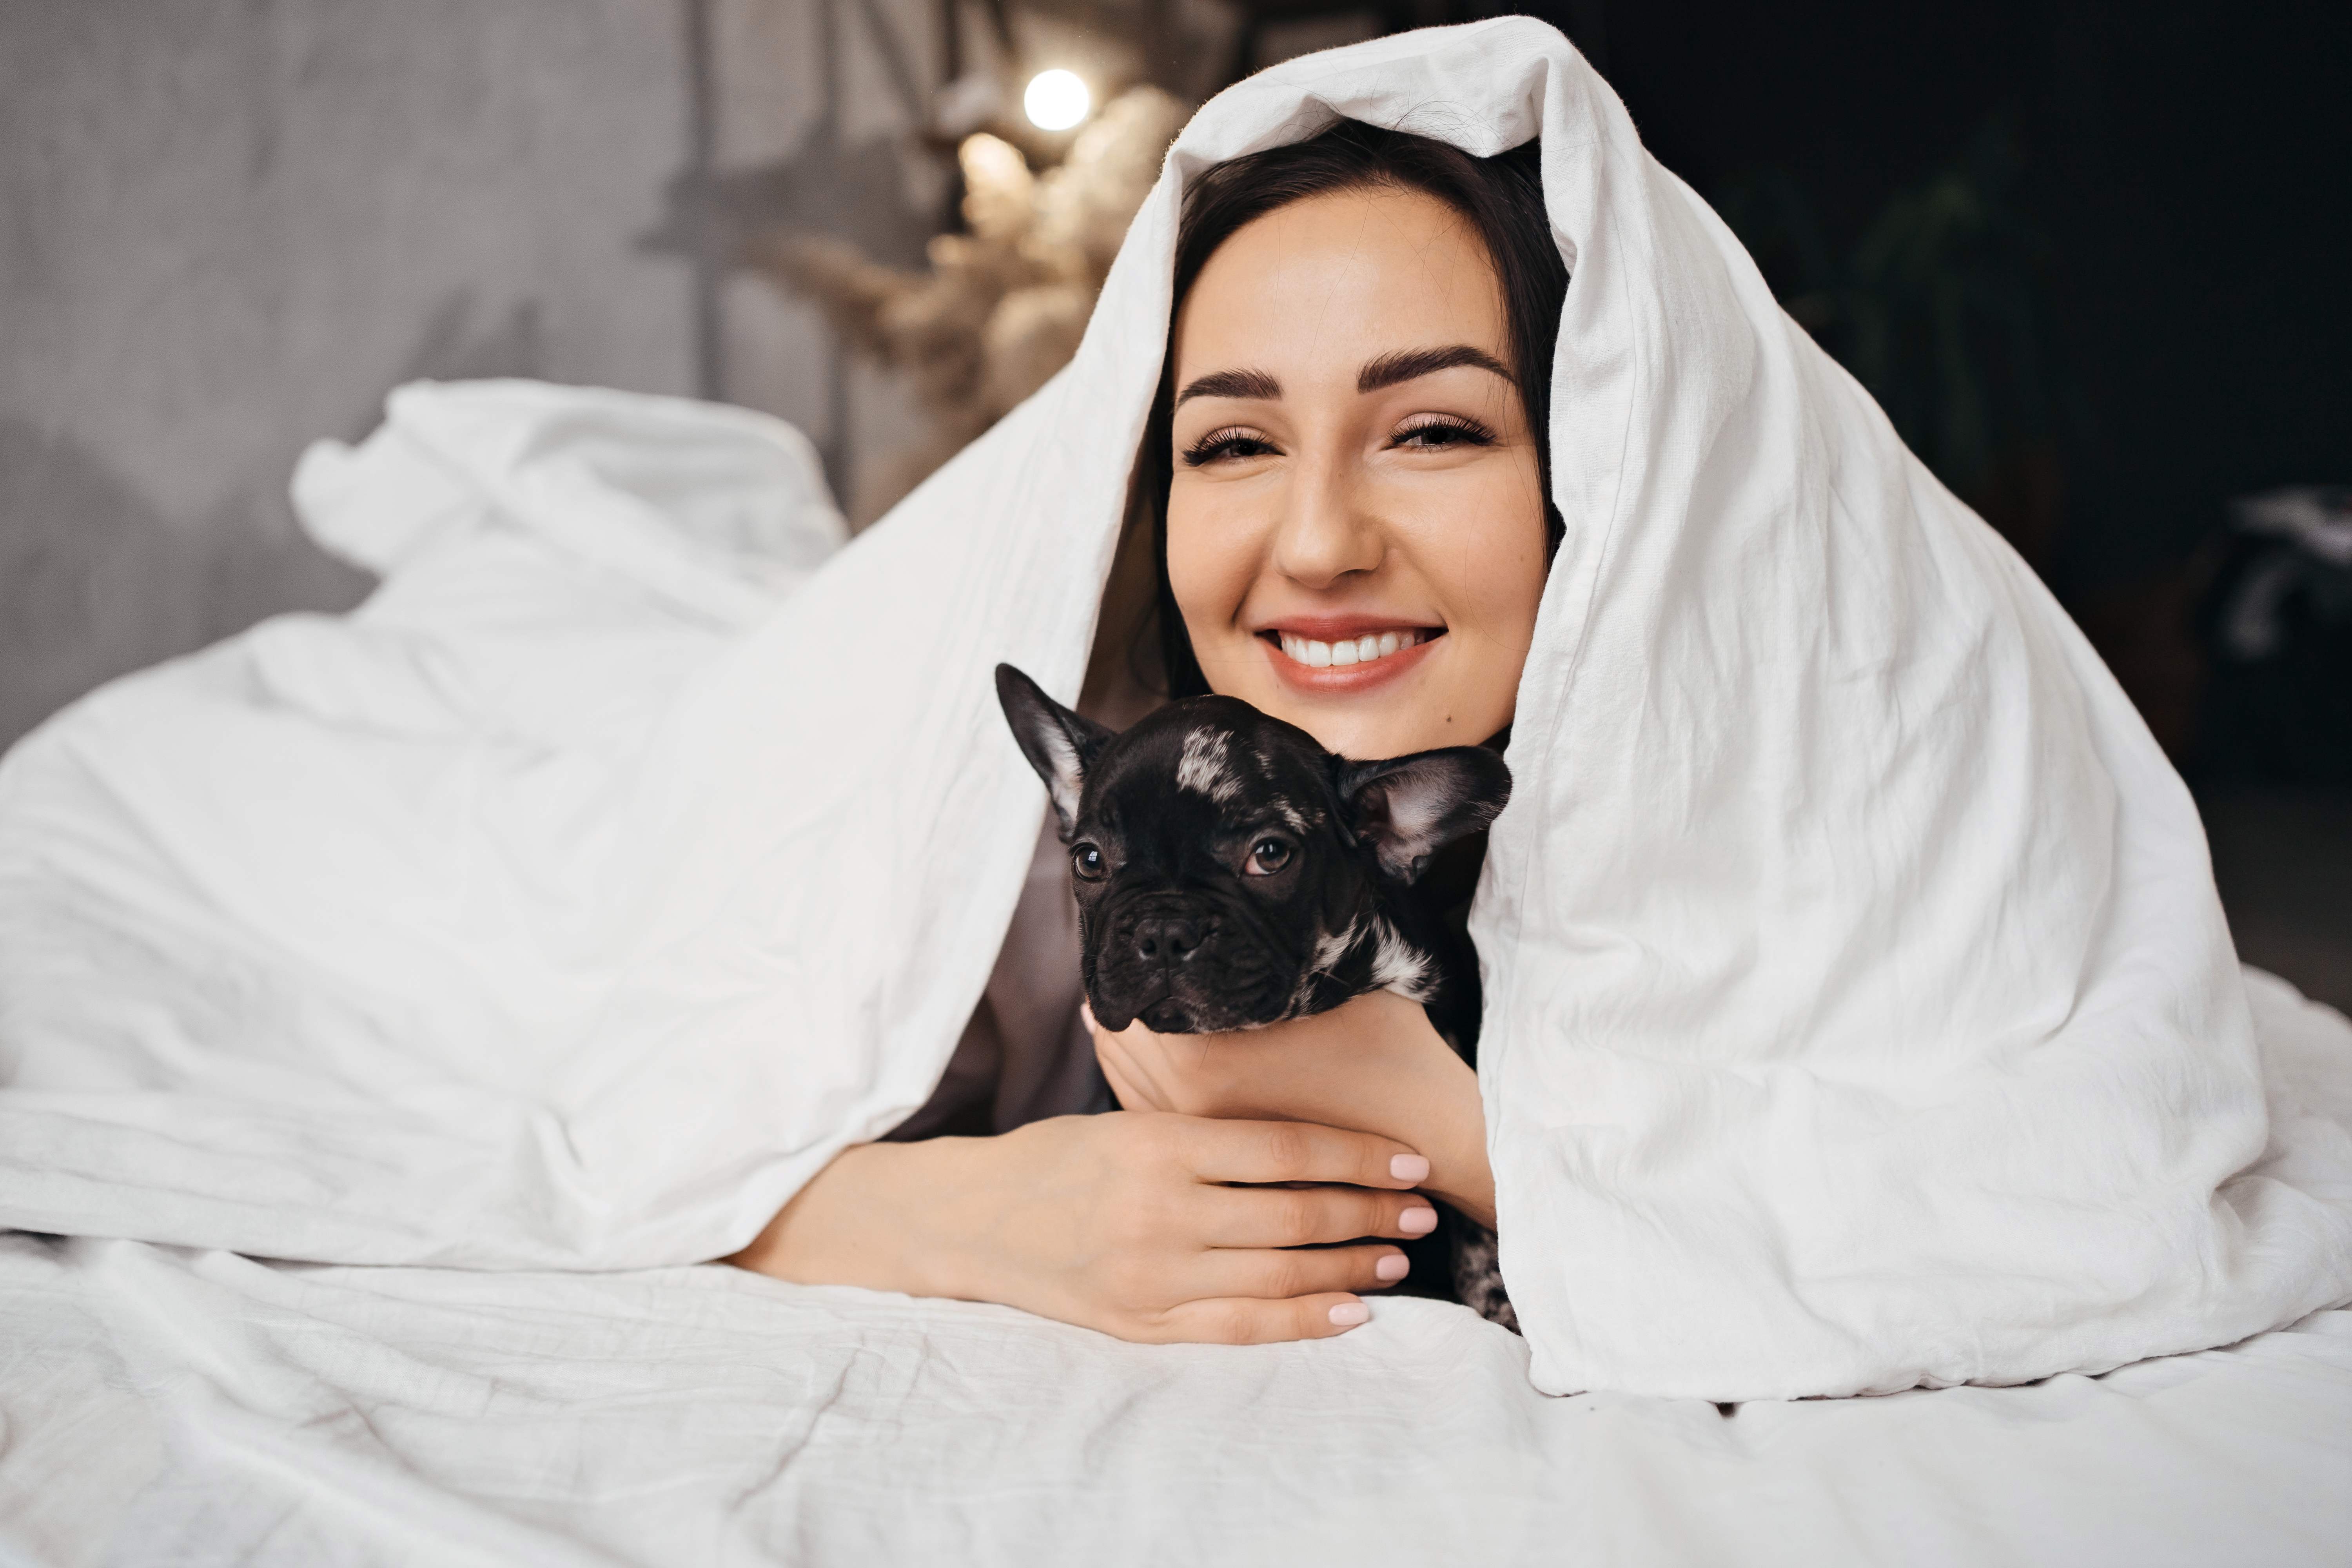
(1860, 1013)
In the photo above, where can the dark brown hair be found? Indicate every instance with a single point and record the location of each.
(1501, 198)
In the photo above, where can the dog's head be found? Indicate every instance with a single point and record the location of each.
(1229, 872)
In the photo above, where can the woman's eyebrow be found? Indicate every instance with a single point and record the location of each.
(1407, 364)
(1233, 383)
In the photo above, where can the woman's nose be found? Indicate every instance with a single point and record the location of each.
(1327, 531)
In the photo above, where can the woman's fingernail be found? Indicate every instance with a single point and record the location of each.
(1417, 1221)
(1086, 1016)
(1409, 1168)
(1393, 1267)
(1347, 1314)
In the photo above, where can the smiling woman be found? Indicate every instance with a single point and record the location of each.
(1344, 487)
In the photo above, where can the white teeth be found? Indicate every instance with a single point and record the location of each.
(1360, 650)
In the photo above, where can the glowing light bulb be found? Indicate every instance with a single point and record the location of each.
(1056, 100)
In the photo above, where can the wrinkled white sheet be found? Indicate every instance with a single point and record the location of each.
(201, 1408)
(1860, 1010)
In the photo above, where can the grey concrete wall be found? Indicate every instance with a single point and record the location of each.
(227, 226)
(815, 110)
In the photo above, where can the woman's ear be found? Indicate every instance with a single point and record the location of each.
(1059, 743)
(1408, 808)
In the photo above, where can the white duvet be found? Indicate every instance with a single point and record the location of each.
(1860, 1016)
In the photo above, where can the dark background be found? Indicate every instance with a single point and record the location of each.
(2189, 165)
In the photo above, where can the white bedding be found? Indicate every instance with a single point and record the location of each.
(161, 1404)
(202, 1409)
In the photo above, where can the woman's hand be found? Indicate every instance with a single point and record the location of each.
(1126, 1222)
(1373, 1064)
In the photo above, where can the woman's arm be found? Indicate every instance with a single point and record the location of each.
(1373, 1064)
(1147, 1225)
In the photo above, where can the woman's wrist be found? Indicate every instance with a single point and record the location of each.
(1452, 1135)
(854, 1223)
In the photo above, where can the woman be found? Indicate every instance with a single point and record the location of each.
(1346, 447)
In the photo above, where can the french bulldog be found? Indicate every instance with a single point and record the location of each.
(1230, 873)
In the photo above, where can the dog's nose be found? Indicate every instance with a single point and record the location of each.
(1167, 938)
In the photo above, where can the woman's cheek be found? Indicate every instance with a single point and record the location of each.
(1212, 559)
(1489, 573)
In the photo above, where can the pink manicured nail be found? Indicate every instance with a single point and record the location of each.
(1347, 1314)
(1393, 1267)
(1409, 1168)
(1417, 1221)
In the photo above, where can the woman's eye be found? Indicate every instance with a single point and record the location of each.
(1437, 434)
(1220, 446)
(1268, 856)
(1087, 861)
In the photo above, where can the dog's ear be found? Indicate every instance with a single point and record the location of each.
(1059, 743)
(1408, 808)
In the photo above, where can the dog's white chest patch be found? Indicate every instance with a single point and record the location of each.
(1204, 767)
(1398, 965)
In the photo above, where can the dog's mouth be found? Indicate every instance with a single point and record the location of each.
(1365, 647)
(1206, 1004)
(1168, 1017)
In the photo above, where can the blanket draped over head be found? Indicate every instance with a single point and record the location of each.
(1860, 1013)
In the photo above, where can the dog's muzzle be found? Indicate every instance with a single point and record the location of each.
(1181, 967)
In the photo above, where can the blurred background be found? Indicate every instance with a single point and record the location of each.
(2091, 258)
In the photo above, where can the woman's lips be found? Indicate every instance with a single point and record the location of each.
(1345, 654)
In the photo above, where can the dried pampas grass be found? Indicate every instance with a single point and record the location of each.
(1003, 306)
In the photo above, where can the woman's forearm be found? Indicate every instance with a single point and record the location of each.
(849, 1224)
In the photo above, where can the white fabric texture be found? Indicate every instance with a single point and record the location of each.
(1861, 1014)
(195, 1408)
(160, 1405)
(204, 1410)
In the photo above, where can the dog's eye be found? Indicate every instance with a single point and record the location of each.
(1268, 856)
(1087, 862)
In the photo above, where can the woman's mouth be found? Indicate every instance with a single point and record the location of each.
(1344, 654)
(1343, 651)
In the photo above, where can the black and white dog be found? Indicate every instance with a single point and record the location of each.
(1230, 873)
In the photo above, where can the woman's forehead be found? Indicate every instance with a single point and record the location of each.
(1333, 282)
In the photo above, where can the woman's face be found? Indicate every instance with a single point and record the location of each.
(1355, 526)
